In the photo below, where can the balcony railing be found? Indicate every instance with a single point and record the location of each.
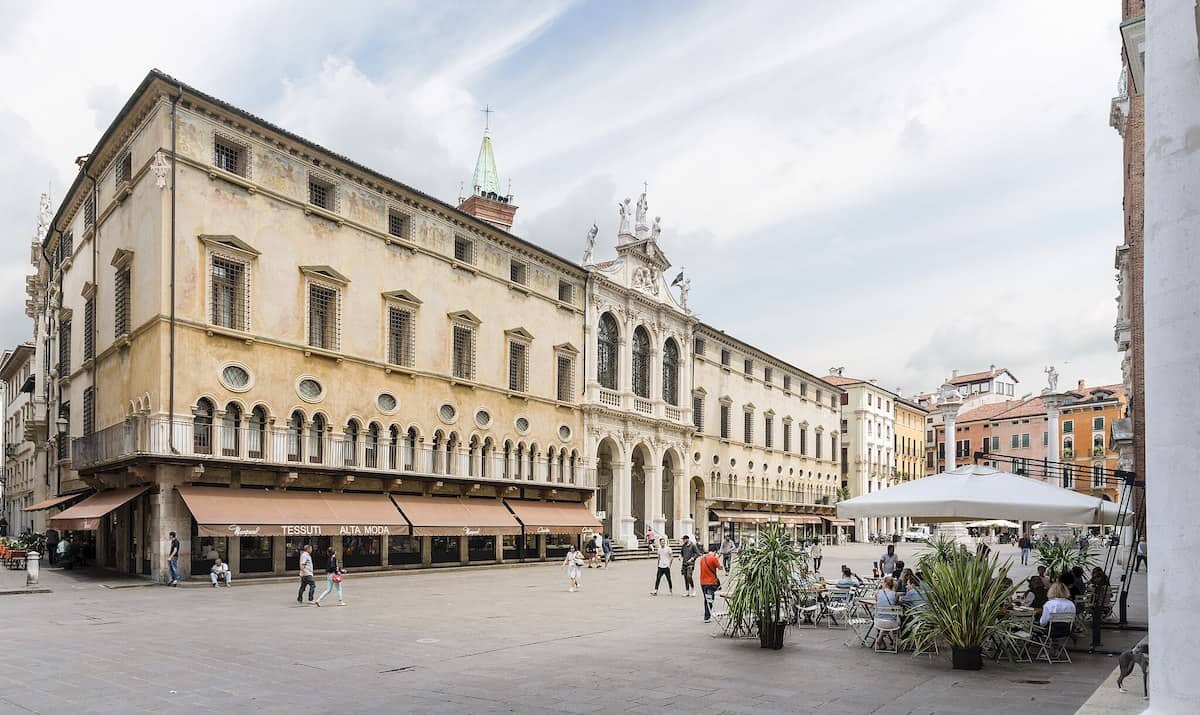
(610, 398)
(644, 406)
(760, 493)
(159, 436)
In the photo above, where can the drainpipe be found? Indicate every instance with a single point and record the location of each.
(171, 350)
(46, 350)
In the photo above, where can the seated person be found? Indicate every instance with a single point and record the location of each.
(848, 579)
(912, 590)
(1036, 596)
(1059, 602)
(1081, 581)
(902, 580)
(886, 596)
(219, 570)
(1067, 579)
(897, 572)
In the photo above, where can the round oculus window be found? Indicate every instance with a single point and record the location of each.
(522, 425)
(235, 377)
(564, 433)
(310, 389)
(447, 412)
(483, 418)
(696, 457)
(386, 402)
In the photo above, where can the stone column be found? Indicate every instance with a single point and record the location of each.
(1172, 341)
(426, 551)
(622, 483)
(168, 513)
(464, 550)
(654, 505)
(1053, 401)
(949, 416)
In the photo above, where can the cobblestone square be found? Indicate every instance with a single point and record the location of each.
(509, 639)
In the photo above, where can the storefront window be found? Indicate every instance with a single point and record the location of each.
(205, 549)
(520, 547)
(404, 550)
(256, 554)
(295, 544)
(444, 549)
(481, 548)
(556, 544)
(360, 551)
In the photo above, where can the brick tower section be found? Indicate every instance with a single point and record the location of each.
(1134, 168)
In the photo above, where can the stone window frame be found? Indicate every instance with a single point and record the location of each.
(330, 185)
(726, 417)
(232, 250)
(406, 302)
(518, 375)
(748, 423)
(518, 271)
(122, 264)
(569, 353)
(405, 220)
(469, 252)
(326, 278)
(234, 143)
(566, 288)
(466, 323)
(699, 398)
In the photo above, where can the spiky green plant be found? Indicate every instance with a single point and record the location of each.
(1061, 557)
(768, 582)
(937, 548)
(964, 597)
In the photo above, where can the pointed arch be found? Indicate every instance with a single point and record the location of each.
(295, 438)
(202, 426)
(608, 352)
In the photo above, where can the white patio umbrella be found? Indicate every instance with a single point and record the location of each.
(976, 492)
(994, 524)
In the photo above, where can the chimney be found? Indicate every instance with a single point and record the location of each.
(953, 374)
(899, 392)
(992, 368)
(1082, 386)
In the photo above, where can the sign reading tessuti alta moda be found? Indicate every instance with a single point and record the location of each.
(298, 530)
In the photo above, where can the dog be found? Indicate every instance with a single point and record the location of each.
(1137, 655)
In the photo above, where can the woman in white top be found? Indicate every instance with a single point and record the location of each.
(665, 557)
(1060, 602)
(886, 596)
(574, 564)
(814, 553)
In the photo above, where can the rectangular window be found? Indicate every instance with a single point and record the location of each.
(725, 357)
(124, 170)
(464, 250)
(748, 427)
(518, 366)
(748, 366)
(229, 156)
(941, 450)
(64, 349)
(89, 411)
(401, 340)
(1068, 478)
(1097, 476)
(89, 211)
(698, 412)
(121, 302)
(787, 436)
(818, 398)
(320, 193)
(1045, 439)
(698, 346)
(566, 292)
(803, 441)
(399, 224)
(64, 438)
(516, 272)
(804, 389)
(817, 442)
(928, 434)
(464, 352)
(987, 445)
(833, 447)
(1068, 426)
(89, 329)
(724, 421)
(768, 374)
(1097, 423)
(323, 317)
(1025, 440)
(566, 378)
(1016, 441)
(229, 306)
(995, 444)
(769, 431)
(66, 247)
(787, 383)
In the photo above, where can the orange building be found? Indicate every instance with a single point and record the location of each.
(1085, 427)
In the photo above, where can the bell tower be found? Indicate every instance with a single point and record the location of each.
(485, 201)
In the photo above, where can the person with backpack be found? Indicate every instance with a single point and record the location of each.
(709, 564)
(333, 575)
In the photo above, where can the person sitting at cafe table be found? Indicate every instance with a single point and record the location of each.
(886, 596)
(1036, 596)
(902, 580)
(219, 570)
(1059, 602)
(898, 573)
(912, 590)
(848, 579)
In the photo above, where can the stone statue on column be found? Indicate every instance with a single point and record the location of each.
(642, 207)
(43, 218)
(590, 247)
(1052, 378)
(623, 227)
(656, 229)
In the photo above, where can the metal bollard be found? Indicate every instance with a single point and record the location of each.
(33, 568)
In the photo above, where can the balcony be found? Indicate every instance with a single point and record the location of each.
(674, 413)
(322, 452)
(765, 494)
(646, 407)
(610, 398)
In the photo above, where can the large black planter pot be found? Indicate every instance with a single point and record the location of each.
(966, 658)
(770, 635)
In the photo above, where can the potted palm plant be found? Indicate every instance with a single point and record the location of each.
(964, 597)
(767, 585)
(1061, 557)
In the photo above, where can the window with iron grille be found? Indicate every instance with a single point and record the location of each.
(229, 300)
(320, 193)
(401, 341)
(641, 362)
(517, 272)
(817, 441)
(768, 375)
(607, 353)
(725, 357)
(323, 316)
(748, 427)
(566, 292)
(769, 431)
(463, 352)
(66, 246)
(464, 249)
(89, 210)
(121, 301)
(89, 411)
(399, 224)
(64, 437)
(748, 364)
(724, 421)
(518, 366)
(124, 171)
(565, 380)
(698, 412)
(670, 372)
(64, 349)
(833, 450)
(89, 329)
(229, 156)
(698, 346)
(787, 382)
(804, 441)
(787, 437)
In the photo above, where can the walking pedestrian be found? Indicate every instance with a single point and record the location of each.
(689, 552)
(574, 564)
(651, 540)
(173, 560)
(608, 550)
(710, 563)
(333, 574)
(665, 557)
(1025, 543)
(52, 545)
(814, 552)
(1141, 557)
(887, 562)
(727, 549)
(306, 575)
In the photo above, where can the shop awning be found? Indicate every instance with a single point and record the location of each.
(55, 501)
(457, 516)
(743, 517)
(838, 522)
(799, 519)
(547, 517)
(219, 511)
(86, 515)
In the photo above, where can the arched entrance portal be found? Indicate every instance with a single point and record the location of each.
(638, 508)
(698, 508)
(607, 455)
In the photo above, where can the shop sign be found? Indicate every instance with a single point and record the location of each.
(468, 531)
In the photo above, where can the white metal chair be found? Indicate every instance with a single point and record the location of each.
(838, 606)
(887, 624)
(1056, 646)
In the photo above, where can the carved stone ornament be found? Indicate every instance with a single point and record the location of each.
(160, 168)
(643, 280)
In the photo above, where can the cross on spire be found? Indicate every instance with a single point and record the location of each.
(487, 117)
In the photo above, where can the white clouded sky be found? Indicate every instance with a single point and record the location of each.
(901, 189)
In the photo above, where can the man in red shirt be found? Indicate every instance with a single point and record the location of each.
(709, 564)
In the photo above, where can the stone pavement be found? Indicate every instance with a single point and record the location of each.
(499, 640)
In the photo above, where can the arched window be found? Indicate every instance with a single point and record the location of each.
(485, 456)
(574, 464)
(670, 387)
(371, 455)
(410, 449)
(508, 452)
(256, 433)
(316, 440)
(531, 472)
(562, 465)
(202, 425)
(607, 352)
(296, 436)
(350, 444)
(393, 447)
(231, 427)
(439, 449)
(520, 461)
(641, 362)
(551, 463)
(451, 453)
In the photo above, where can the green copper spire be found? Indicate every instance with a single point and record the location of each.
(487, 179)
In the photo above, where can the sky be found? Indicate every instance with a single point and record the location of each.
(899, 189)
